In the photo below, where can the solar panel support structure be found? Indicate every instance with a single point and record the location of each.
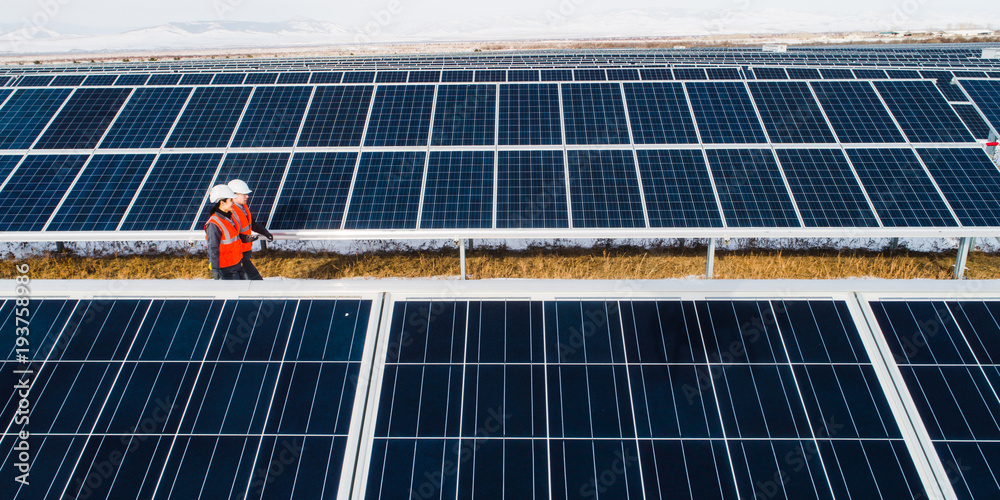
(710, 262)
(964, 244)
(461, 257)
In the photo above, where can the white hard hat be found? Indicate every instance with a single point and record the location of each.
(220, 192)
(239, 187)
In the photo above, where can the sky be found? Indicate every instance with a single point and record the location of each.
(119, 15)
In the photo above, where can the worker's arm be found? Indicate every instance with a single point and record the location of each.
(259, 228)
(214, 237)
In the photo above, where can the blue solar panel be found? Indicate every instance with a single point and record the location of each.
(531, 190)
(656, 74)
(977, 125)
(315, 191)
(34, 81)
(770, 73)
(228, 79)
(272, 118)
(359, 77)
(210, 117)
(386, 191)
(101, 195)
(35, 188)
(690, 74)
(751, 189)
(326, 77)
(899, 188)
(26, 113)
(659, 113)
(400, 116)
(803, 73)
(163, 79)
(557, 75)
(620, 74)
(336, 116)
(970, 182)
(7, 163)
(922, 112)
(425, 76)
(836, 73)
(856, 112)
(491, 75)
(262, 78)
(947, 354)
(292, 78)
(522, 75)
(790, 112)
(262, 172)
(173, 193)
(465, 115)
(529, 115)
(825, 189)
(986, 95)
(67, 80)
(870, 73)
(459, 190)
(391, 77)
(723, 73)
(943, 81)
(902, 73)
(147, 118)
(604, 189)
(725, 113)
(677, 188)
(82, 121)
(196, 79)
(594, 114)
(585, 75)
(131, 80)
(457, 76)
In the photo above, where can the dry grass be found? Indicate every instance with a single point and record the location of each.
(541, 263)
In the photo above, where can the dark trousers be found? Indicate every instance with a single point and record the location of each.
(233, 272)
(251, 271)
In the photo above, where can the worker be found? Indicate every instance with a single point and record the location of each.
(249, 227)
(225, 248)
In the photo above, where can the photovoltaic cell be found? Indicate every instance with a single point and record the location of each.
(228, 79)
(459, 191)
(173, 193)
(7, 163)
(84, 118)
(529, 115)
(67, 81)
(594, 114)
(836, 74)
(803, 73)
(401, 116)
(604, 190)
(973, 120)
(262, 172)
(856, 112)
(262, 78)
(465, 115)
(770, 73)
(589, 75)
(210, 117)
(751, 189)
(391, 77)
(315, 191)
(196, 79)
(557, 75)
(457, 76)
(690, 74)
(491, 75)
(26, 113)
(522, 75)
(985, 93)
(359, 77)
(943, 83)
(899, 188)
(163, 79)
(677, 188)
(659, 113)
(272, 118)
(531, 190)
(336, 117)
(825, 189)
(147, 118)
(131, 80)
(620, 74)
(326, 77)
(425, 76)
(386, 191)
(656, 74)
(725, 113)
(35, 188)
(790, 112)
(292, 78)
(922, 112)
(101, 195)
(723, 73)
(34, 81)
(970, 182)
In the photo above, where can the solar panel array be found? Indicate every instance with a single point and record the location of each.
(645, 151)
(534, 397)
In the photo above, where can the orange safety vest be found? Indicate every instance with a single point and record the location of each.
(242, 213)
(230, 247)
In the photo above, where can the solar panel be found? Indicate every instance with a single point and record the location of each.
(261, 171)
(457, 76)
(523, 75)
(724, 113)
(293, 78)
(617, 74)
(922, 112)
(400, 116)
(803, 73)
(491, 75)
(325, 77)
(856, 113)
(315, 191)
(604, 189)
(197, 79)
(359, 77)
(770, 73)
(386, 193)
(34, 190)
(465, 115)
(272, 118)
(594, 114)
(985, 94)
(946, 352)
(943, 83)
(459, 190)
(7, 163)
(83, 119)
(690, 74)
(899, 188)
(210, 117)
(790, 112)
(101, 195)
(751, 189)
(583, 75)
(336, 116)
(529, 115)
(970, 182)
(677, 188)
(146, 119)
(262, 78)
(872, 74)
(836, 73)
(391, 77)
(902, 73)
(173, 193)
(25, 115)
(228, 79)
(163, 79)
(34, 81)
(973, 120)
(557, 75)
(825, 189)
(659, 113)
(723, 73)
(67, 80)
(531, 190)
(656, 74)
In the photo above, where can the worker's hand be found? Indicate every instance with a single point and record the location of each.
(216, 274)
(267, 234)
